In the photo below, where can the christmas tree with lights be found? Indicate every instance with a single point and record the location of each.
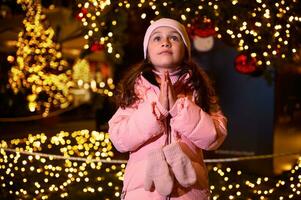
(265, 33)
(39, 70)
(81, 70)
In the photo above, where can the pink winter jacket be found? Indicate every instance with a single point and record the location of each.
(140, 128)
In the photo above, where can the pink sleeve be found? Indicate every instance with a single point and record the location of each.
(205, 131)
(131, 127)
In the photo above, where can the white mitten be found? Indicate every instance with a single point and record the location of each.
(157, 173)
(180, 164)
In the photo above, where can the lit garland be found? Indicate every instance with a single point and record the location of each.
(81, 173)
(100, 31)
(234, 184)
(39, 71)
(265, 30)
(35, 176)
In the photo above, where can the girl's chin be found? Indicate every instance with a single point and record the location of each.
(166, 65)
(170, 66)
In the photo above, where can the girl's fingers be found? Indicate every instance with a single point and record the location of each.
(171, 92)
(163, 98)
(166, 76)
(164, 85)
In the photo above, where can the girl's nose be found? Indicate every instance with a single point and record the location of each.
(166, 43)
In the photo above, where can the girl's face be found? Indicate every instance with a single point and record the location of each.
(166, 49)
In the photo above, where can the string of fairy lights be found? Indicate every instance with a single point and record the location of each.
(36, 176)
(266, 30)
(280, 23)
(89, 20)
(237, 187)
(66, 163)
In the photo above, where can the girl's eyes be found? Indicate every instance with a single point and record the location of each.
(172, 37)
(157, 38)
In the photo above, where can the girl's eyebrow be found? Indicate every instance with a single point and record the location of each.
(158, 32)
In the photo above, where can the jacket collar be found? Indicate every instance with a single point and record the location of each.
(174, 78)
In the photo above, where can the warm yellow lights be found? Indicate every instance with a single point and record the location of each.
(51, 170)
(260, 25)
(234, 2)
(81, 71)
(81, 75)
(39, 70)
(51, 173)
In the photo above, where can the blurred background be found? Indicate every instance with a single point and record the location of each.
(60, 62)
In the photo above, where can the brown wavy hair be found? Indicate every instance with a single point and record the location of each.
(206, 96)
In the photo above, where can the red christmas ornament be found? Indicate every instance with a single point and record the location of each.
(201, 27)
(202, 32)
(209, 31)
(245, 64)
(96, 46)
(82, 13)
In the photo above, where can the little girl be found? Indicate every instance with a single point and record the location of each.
(168, 113)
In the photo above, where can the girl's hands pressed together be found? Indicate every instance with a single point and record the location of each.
(172, 97)
(163, 97)
(167, 96)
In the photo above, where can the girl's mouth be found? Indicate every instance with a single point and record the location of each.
(165, 52)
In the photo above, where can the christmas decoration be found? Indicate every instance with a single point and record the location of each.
(66, 165)
(267, 30)
(245, 64)
(97, 47)
(202, 32)
(39, 71)
(91, 77)
(203, 44)
(228, 183)
(95, 80)
(81, 14)
(105, 27)
(81, 165)
(82, 76)
(81, 71)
